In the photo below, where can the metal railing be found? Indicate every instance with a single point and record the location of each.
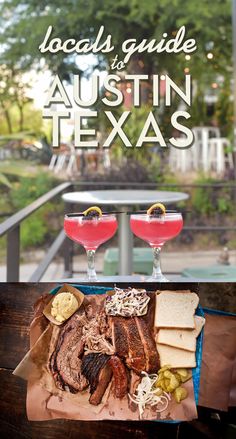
(11, 226)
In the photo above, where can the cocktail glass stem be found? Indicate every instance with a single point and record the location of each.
(157, 275)
(91, 273)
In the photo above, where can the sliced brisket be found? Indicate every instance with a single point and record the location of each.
(65, 362)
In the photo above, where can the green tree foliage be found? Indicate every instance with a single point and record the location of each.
(42, 224)
(16, 110)
(211, 200)
(24, 24)
(224, 109)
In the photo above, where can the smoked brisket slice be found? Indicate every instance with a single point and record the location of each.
(65, 362)
(98, 372)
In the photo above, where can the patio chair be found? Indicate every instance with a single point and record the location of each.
(201, 146)
(218, 156)
(59, 158)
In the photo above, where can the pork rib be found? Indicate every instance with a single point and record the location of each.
(149, 345)
(135, 344)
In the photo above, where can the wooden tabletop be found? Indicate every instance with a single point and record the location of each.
(16, 312)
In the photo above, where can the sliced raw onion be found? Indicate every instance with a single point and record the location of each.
(146, 395)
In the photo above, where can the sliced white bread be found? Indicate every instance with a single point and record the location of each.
(181, 338)
(175, 357)
(175, 309)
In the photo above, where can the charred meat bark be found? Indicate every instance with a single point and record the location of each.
(104, 379)
(96, 369)
(119, 336)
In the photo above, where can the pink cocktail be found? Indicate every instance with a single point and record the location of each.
(90, 233)
(156, 230)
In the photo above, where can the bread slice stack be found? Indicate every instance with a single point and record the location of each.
(178, 327)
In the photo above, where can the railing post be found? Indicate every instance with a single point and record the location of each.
(68, 248)
(13, 254)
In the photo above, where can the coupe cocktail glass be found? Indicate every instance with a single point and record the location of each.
(90, 233)
(156, 230)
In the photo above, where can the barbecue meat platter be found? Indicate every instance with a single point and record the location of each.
(124, 354)
(100, 353)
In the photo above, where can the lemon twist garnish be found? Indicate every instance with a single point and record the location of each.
(92, 209)
(156, 206)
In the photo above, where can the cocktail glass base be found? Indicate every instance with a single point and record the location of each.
(91, 272)
(90, 279)
(86, 279)
(159, 278)
(157, 275)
